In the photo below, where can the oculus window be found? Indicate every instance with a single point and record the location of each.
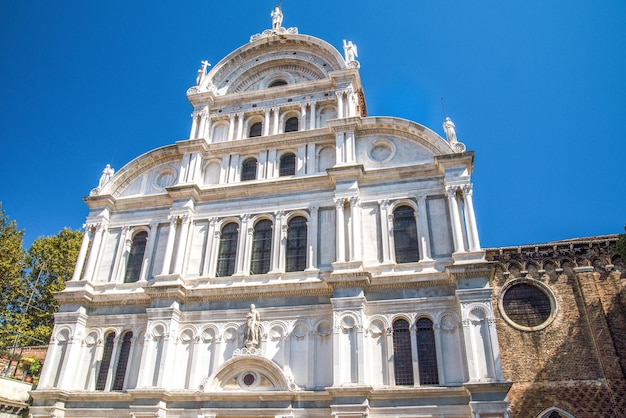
(527, 304)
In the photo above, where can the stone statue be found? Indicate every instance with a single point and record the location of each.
(107, 173)
(448, 127)
(202, 72)
(277, 18)
(253, 328)
(350, 51)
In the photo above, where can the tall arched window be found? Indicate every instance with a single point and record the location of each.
(135, 257)
(255, 129)
(402, 354)
(228, 250)
(103, 372)
(287, 164)
(296, 244)
(248, 169)
(261, 247)
(426, 352)
(291, 125)
(122, 362)
(405, 235)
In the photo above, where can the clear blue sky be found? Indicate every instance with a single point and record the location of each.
(536, 88)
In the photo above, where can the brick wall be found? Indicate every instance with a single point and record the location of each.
(577, 363)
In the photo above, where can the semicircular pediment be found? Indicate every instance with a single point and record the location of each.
(310, 58)
(249, 373)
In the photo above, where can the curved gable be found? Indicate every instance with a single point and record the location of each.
(293, 58)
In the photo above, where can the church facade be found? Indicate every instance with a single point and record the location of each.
(294, 257)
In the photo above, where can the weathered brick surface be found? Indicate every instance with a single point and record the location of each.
(578, 362)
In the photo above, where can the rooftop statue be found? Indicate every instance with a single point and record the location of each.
(448, 127)
(277, 17)
(202, 72)
(350, 51)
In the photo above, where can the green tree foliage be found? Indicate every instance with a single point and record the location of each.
(28, 313)
(12, 258)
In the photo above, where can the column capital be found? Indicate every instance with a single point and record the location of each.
(467, 188)
(451, 190)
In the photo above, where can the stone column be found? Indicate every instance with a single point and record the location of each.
(439, 351)
(350, 151)
(301, 160)
(216, 237)
(339, 104)
(224, 169)
(388, 349)
(303, 117)
(194, 125)
(204, 114)
(340, 144)
(243, 233)
(246, 248)
(386, 228)
(455, 219)
(312, 117)
(310, 159)
(340, 230)
(146, 365)
(276, 244)
(470, 219)
(416, 369)
(210, 243)
(231, 127)
(147, 256)
(266, 122)
(312, 238)
(169, 246)
(92, 258)
(239, 125)
(422, 228)
(121, 256)
(495, 348)
(276, 127)
(80, 261)
(182, 241)
(355, 212)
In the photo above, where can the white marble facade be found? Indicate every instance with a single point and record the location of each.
(353, 236)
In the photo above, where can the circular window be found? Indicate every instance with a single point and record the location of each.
(165, 179)
(249, 379)
(527, 304)
(381, 151)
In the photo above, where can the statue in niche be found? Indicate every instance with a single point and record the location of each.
(107, 173)
(253, 328)
(277, 17)
(202, 72)
(448, 127)
(350, 51)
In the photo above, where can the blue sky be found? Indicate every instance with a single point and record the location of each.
(536, 88)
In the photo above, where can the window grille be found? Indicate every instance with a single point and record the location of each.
(228, 250)
(261, 247)
(526, 305)
(135, 257)
(291, 125)
(248, 169)
(122, 362)
(287, 164)
(402, 355)
(256, 129)
(405, 235)
(296, 244)
(103, 373)
(426, 352)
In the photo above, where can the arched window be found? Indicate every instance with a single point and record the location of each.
(122, 362)
(405, 235)
(402, 354)
(287, 164)
(426, 352)
(261, 247)
(135, 257)
(248, 169)
(103, 372)
(228, 250)
(278, 83)
(291, 125)
(296, 244)
(255, 129)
